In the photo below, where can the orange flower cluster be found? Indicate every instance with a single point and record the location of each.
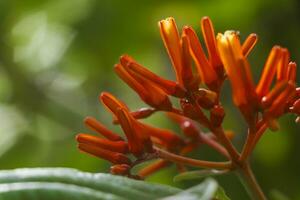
(197, 90)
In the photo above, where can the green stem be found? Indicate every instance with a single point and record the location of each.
(249, 181)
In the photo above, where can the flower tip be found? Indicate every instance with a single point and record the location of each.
(78, 137)
(125, 60)
(205, 19)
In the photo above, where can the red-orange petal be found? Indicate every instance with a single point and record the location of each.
(116, 146)
(113, 157)
(95, 125)
(249, 44)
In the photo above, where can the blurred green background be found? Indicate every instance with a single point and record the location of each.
(56, 56)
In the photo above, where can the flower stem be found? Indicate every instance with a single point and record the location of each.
(219, 132)
(192, 162)
(249, 181)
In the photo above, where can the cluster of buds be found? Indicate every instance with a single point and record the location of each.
(199, 79)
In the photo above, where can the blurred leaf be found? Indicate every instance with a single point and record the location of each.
(221, 194)
(12, 125)
(207, 190)
(277, 195)
(198, 174)
(63, 183)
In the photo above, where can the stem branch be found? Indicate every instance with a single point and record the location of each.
(192, 162)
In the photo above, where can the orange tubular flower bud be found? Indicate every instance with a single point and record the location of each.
(277, 107)
(116, 146)
(135, 145)
(269, 71)
(113, 157)
(131, 82)
(156, 98)
(120, 169)
(206, 71)
(282, 69)
(210, 41)
(95, 125)
(267, 100)
(237, 68)
(111, 102)
(170, 87)
(148, 91)
(188, 78)
(171, 39)
(291, 72)
(249, 44)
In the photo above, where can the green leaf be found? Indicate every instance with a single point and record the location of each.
(198, 174)
(220, 195)
(207, 190)
(69, 184)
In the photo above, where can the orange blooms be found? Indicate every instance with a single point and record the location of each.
(198, 91)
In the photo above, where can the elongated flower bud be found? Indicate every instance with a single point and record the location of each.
(205, 69)
(282, 69)
(148, 91)
(135, 145)
(273, 94)
(95, 125)
(116, 146)
(291, 72)
(113, 157)
(170, 87)
(269, 71)
(249, 44)
(210, 41)
(111, 102)
(171, 39)
(188, 78)
(237, 68)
